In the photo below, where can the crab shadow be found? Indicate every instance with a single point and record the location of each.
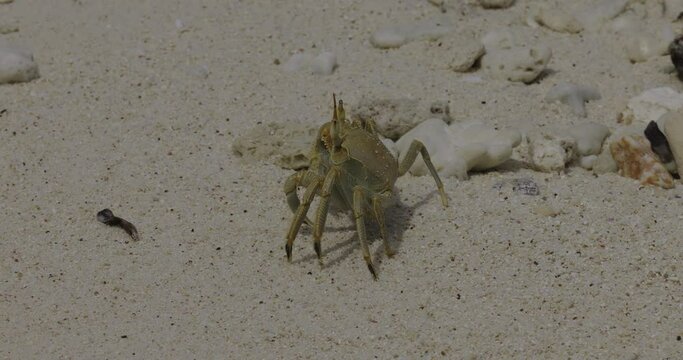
(397, 219)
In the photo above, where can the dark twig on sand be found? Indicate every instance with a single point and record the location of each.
(106, 216)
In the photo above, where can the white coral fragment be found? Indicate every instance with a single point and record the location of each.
(651, 104)
(589, 137)
(16, 64)
(323, 64)
(521, 64)
(394, 36)
(550, 153)
(573, 95)
(461, 147)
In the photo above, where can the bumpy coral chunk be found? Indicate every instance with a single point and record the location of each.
(636, 160)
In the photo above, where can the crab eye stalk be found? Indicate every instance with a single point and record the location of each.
(341, 113)
(336, 128)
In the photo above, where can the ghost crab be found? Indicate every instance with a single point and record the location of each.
(350, 165)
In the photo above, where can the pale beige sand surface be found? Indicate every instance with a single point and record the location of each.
(122, 118)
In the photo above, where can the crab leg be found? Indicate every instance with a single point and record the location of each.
(378, 209)
(299, 178)
(301, 211)
(358, 214)
(321, 214)
(415, 147)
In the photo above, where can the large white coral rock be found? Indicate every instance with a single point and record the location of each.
(459, 148)
(521, 64)
(673, 130)
(650, 105)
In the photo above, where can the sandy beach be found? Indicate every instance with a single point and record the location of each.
(137, 108)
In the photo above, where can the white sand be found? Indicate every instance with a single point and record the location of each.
(123, 118)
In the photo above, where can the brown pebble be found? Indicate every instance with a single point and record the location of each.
(636, 160)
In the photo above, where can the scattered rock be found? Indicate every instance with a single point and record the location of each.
(522, 64)
(394, 36)
(605, 163)
(473, 137)
(566, 17)
(8, 28)
(288, 144)
(636, 160)
(643, 43)
(179, 24)
(548, 210)
(559, 20)
(395, 117)
(436, 137)
(676, 53)
(595, 16)
(650, 105)
(460, 50)
(496, 4)
(441, 4)
(673, 9)
(297, 62)
(587, 162)
(323, 64)
(459, 148)
(16, 64)
(673, 129)
(573, 95)
(501, 40)
(551, 153)
(589, 137)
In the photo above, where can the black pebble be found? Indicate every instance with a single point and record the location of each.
(658, 142)
(676, 52)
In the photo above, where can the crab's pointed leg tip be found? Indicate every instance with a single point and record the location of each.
(316, 247)
(288, 250)
(372, 271)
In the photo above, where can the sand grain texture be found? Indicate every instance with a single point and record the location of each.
(135, 114)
